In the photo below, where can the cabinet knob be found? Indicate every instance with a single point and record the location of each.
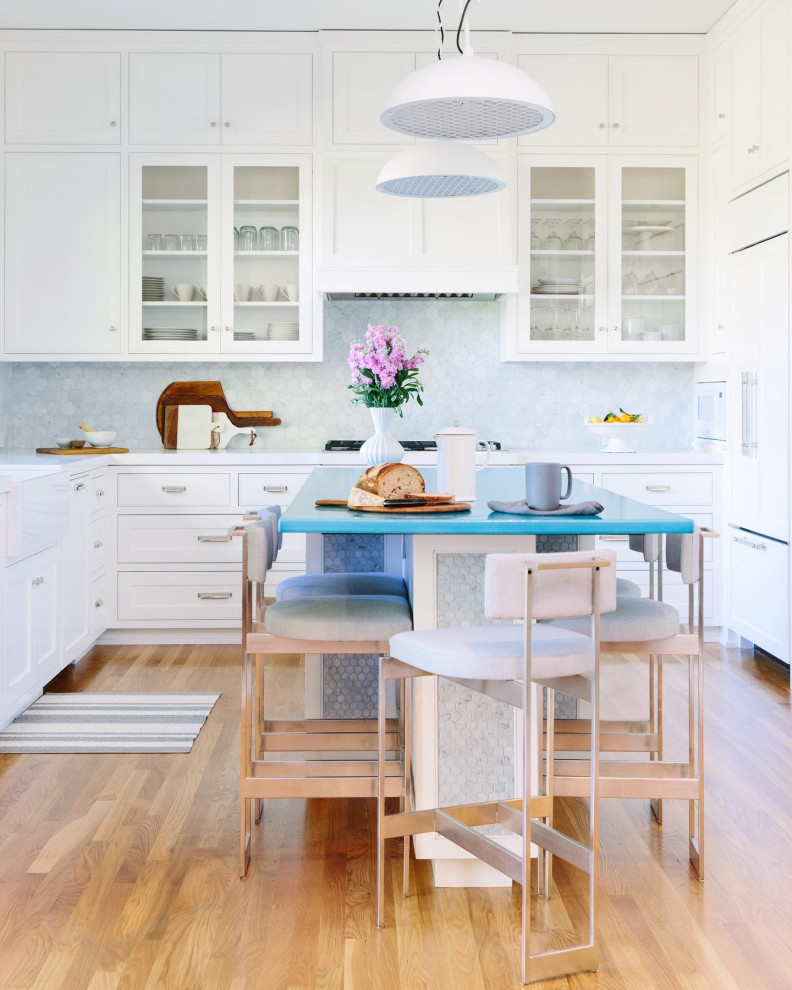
(98, 603)
(616, 127)
(227, 123)
(228, 329)
(100, 492)
(601, 329)
(213, 123)
(602, 127)
(79, 486)
(37, 581)
(615, 330)
(721, 326)
(212, 329)
(112, 123)
(721, 116)
(98, 544)
(112, 329)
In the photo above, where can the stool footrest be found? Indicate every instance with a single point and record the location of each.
(271, 769)
(318, 787)
(303, 742)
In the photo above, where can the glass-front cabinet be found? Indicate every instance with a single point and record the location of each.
(606, 254)
(220, 256)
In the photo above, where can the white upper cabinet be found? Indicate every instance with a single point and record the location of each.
(174, 98)
(362, 82)
(62, 97)
(578, 88)
(760, 95)
(197, 99)
(617, 100)
(63, 247)
(720, 91)
(267, 99)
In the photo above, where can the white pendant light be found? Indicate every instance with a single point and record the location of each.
(438, 170)
(468, 99)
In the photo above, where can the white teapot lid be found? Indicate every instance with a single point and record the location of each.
(455, 431)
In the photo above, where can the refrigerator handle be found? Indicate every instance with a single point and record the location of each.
(744, 448)
(755, 414)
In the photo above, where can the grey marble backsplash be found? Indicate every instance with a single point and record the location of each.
(523, 404)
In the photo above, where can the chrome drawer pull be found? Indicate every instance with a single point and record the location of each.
(37, 581)
(272, 489)
(749, 543)
(215, 595)
(100, 492)
(98, 603)
(615, 539)
(214, 539)
(658, 488)
(174, 488)
(98, 544)
(79, 486)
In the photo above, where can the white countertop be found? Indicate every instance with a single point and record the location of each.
(16, 460)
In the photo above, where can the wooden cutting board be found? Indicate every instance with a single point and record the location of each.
(397, 510)
(74, 451)
(208, 394)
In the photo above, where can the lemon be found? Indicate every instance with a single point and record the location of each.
(596, 419)
(625, 418)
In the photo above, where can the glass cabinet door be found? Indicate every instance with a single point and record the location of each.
(564, 283)
(266, 277)
(174, 302)
(650, 268)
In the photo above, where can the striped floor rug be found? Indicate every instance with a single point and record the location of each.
(109, 723)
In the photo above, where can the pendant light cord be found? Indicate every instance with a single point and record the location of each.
(461, 23)
(441, 31)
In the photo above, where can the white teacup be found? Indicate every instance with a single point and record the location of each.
(268, 292)
(184, 292)
(202, 292)
(290, 292)
(243, 293)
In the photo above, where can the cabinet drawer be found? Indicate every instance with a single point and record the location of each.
(98, 605)
(97, 544)
(622, 547)
(663, 487)
(256, 490)
(179, 595)
(759, 575)
(173, 490)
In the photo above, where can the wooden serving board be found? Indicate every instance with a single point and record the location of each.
(208, 394)
(82, 450)
(409, 510)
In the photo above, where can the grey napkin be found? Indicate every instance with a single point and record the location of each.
(523, 509)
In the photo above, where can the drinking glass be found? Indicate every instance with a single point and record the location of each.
(156, 242)
(670, 282)
(536, 240)
(269, 239)
(588, 244)
(172, 242)
(186, 242)
(200, 242)
(629, 282)
(651, 285)
(573, 241)
(552, 241)
(290, 239)
(248, 238)
(236, 238)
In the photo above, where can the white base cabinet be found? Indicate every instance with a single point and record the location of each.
(84, 554)
(759, 592)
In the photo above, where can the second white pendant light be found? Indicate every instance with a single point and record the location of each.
(439, 170)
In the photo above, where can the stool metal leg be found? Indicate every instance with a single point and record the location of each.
(382, 711)
(656, 804)
(407, 686)
(546, 857)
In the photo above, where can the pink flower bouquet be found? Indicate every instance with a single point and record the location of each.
(383, 376)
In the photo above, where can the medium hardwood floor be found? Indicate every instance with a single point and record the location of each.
(119, 872)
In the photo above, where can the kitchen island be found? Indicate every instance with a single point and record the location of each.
(464, 743)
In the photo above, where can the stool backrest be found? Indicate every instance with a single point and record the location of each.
(648, 545)
(557, 594)
(258, 550)
(270, 515)
(683, 555)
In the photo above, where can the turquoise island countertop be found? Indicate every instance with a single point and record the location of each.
(620, 515)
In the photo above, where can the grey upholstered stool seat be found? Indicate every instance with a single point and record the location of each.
(627, 589)
(346, 583)
(495, 652)
(341, 617)
(635, 619)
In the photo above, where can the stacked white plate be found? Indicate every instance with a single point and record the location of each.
(283, 331)
(244, 335)
(169, 333)
(153, 288)
(557, 286)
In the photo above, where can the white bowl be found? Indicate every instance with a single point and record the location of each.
(99, 438)
(620, 437)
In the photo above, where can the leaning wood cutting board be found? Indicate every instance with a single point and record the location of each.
(208, 394)
(79, 451)
(398, 510)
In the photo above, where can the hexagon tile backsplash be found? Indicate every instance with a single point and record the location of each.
(522, 404)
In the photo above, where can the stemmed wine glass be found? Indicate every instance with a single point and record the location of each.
(588, 244)
(552, 241)
(573, 241)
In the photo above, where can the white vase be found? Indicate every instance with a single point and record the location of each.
(381, 447)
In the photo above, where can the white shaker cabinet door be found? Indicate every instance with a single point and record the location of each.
(63, 97)
(174, 98)
(746, 103)
(654, 100)
(362, 83)
(62, 253)
(267, 99)
(578, 88)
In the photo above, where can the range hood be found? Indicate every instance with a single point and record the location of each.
(343, 296)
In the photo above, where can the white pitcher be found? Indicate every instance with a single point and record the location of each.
(456, 462)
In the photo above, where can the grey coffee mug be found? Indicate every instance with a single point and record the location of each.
(543, 485)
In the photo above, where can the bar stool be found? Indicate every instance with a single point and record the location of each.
(649, 628)
(505, 662)
(306, 624)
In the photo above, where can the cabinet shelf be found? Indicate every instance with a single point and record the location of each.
(262, 303)
(563, 254)
(174, 302)
(175, 204)
(628, 203)
(653, 254)
(562, 202)
(266, 254)
(568, 296)
(655, 298)
(174, 254)
(266, 203)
